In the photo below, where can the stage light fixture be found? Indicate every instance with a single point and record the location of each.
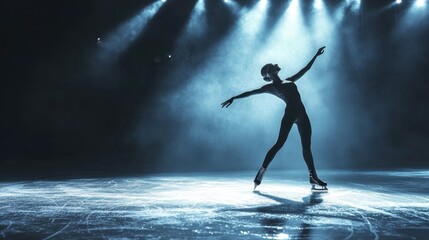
(318, 4)
(421, 3)
(356, 5)
(398, 1)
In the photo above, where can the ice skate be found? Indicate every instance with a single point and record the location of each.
(259, 176)
(314, 180)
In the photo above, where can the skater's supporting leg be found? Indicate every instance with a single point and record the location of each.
(314, 180)
(285, 127)
(304, 129)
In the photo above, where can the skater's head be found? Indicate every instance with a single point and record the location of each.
(269, 71)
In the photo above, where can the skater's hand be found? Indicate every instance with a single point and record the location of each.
(320, 51)
(227, 103)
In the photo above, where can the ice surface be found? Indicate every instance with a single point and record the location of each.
(359, 205)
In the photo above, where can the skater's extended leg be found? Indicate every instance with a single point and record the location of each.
(285, 127)
(259, 176)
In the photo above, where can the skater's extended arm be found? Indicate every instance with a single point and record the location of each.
(243, 95)
(306, 68)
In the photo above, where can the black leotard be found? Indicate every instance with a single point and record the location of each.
(288, 92)
(294, 113)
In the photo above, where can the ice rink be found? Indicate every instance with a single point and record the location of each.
(359, 205)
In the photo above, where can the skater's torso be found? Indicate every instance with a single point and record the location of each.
(288, 92)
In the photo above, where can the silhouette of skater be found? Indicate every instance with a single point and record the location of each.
(294, 113)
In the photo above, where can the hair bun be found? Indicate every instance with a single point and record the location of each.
(265, 71)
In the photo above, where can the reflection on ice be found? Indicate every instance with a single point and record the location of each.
(359, 205)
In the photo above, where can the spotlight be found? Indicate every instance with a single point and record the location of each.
(353, 5)
(356, 5)
(99, 42)
(227, 1)
(318, 4)
(163, 0)
(421, 3)
(398, 1)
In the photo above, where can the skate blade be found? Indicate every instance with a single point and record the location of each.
(321, 189)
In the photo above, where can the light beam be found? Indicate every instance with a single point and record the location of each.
(226, 67)
(120, 39)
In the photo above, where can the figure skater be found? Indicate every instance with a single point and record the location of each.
(294, 113)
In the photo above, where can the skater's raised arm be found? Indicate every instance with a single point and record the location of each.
(306, 68)
(243, 95)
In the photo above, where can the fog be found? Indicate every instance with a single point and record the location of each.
(137, 87)
(350, 117)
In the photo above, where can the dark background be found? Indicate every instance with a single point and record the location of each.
(60, 118)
